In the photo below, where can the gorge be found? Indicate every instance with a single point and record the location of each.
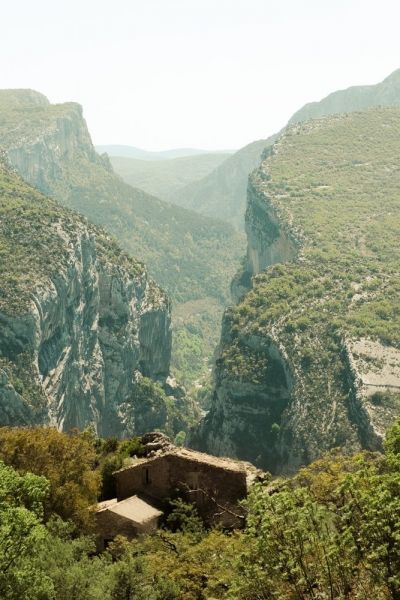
(307, 359)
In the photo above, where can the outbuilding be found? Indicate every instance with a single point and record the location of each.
(129, 518)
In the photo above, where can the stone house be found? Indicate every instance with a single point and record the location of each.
(214, 485)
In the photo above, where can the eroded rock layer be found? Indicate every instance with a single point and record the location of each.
(81, 323)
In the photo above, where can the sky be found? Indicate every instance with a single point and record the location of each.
(213, 74)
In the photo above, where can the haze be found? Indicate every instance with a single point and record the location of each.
(212, 74)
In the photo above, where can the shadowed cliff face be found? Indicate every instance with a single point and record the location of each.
(268, 242)
(253, 378)
(253, 387)
(308, 359)
(80, 321)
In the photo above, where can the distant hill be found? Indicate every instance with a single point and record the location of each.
(222, 193)
(385, 93)
(164, 178)
(133, 152)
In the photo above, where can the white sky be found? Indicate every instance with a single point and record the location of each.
(211, 74)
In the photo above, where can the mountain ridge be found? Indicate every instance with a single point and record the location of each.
(309, 358)
(122, 150)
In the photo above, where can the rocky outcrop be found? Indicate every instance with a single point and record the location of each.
(81, 323)
(87, 332)
(54, 139)
(13, 409)
(268, 241)
(249, 399)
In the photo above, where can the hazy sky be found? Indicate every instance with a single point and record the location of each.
(201, 73)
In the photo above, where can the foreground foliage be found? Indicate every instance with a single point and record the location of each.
(66, 461)
(330, 532)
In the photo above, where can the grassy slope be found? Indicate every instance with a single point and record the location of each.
(163, 177)
(336, 184)
(191, 256)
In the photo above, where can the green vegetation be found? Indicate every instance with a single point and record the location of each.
(31, 250)
(334, 186)
(332, 531)
(66, 461)
(163, 178)
(154, 410)
(196, 335)
(338, 182)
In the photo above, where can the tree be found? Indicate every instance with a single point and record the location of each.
(68, 462)
(22, 533)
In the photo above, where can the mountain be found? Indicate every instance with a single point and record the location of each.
(139, 154)
(385, 93)
(163, 178)
(84, 332)
(191, 256)
(309, 359)
(222, 193)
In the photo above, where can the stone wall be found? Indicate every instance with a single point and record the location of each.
(212, 488)
(109, 525)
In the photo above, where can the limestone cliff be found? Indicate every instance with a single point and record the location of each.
(309, 358)
(81, 323)
(46, 141)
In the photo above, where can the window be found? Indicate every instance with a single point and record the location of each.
(146, 476)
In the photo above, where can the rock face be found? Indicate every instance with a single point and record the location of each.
(309, 358)
(246, 404)
(268, 241)
(41, 156)
(81, 323)
(50, 147)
